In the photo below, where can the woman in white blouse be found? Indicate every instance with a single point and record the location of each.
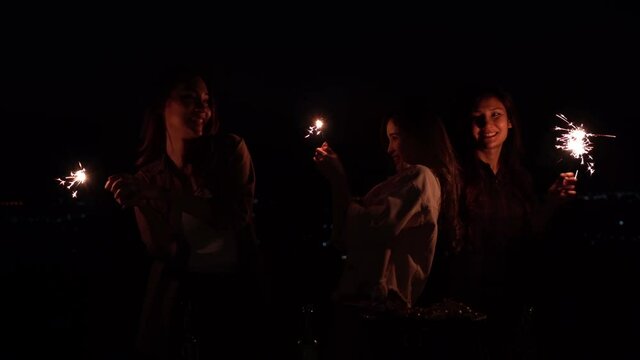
(390, 235)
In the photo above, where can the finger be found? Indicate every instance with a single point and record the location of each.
(118, 184)
(118, 195)
(113, 179)
(109, 184)
(117, 176)
(328, 150)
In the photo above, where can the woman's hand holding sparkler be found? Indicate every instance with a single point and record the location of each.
(128, 191)
(329, 164)
(564, 186)
(562, 189)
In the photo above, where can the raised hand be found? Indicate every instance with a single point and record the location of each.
(564, 186)
(329, 164)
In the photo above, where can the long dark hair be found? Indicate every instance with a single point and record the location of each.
(436, 153)
(511, 154)
(153, 128)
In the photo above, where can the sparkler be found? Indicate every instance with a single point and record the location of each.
(316, 129)
(575, 140)
(73, 180)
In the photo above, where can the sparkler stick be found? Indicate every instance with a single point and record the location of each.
(575, 140)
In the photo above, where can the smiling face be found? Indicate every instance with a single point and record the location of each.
(402, 148)
(187, 110)
(490, 125)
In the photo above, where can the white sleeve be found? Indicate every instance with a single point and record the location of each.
(396, 203)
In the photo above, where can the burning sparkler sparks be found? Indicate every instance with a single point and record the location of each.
(73, 180)
(575, 140)
(316, 129)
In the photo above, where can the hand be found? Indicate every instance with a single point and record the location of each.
(329, 164)
(564, 186)
(130, 191)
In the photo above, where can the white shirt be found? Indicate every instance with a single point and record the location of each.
(391, 236)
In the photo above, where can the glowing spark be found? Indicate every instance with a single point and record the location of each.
(316, 128)
(73, 180)
(575, 140)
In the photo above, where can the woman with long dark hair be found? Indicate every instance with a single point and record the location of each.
(193, 198)
(500, 213)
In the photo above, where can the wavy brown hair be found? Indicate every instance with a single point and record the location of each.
(511, 153)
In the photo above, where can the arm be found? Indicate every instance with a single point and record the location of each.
(331, 168)
(156, 209)
(152, 211)
(398, 205)
(394, 233)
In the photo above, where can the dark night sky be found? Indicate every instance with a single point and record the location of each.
(69, 94)
(72, 91)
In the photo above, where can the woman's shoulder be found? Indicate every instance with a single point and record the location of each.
(413, 178)
(228, 141)
(417, 176)
(229, 137)
(419, 173)
(422, 170)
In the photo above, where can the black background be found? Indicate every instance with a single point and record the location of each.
(72, 89)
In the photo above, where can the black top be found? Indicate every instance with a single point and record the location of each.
(490, 272)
